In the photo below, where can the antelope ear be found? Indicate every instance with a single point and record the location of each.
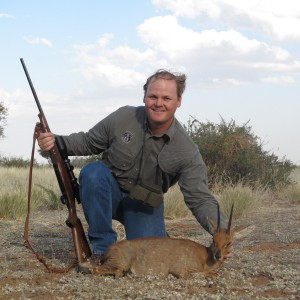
(212, 223)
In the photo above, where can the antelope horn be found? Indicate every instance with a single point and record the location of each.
(218, 227)
(230, 219)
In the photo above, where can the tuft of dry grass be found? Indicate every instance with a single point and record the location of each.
(175, 207)
(292, 192)
(244, 199)
(14, 191)
(295, 176)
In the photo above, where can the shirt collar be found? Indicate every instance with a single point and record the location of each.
(168, 135)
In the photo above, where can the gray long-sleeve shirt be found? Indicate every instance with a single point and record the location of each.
(132, 153)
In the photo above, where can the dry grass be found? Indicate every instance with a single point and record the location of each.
(292, 193)
(14, 189)
(175, 208)
(45, 194)
(243, 197)
(296, 175)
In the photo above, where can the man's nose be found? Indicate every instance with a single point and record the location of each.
(158, 102)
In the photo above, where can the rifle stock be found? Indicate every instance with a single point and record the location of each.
(67, 182)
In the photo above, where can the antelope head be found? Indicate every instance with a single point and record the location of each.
(222, 238)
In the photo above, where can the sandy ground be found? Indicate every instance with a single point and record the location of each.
(266, 262)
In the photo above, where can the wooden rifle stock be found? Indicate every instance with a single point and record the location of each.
(67, 182)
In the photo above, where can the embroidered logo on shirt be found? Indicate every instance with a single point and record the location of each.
(127, 137)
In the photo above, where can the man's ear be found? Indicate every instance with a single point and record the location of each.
(179, 101)
(144, 99)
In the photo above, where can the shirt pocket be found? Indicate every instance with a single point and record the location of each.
(123, 156)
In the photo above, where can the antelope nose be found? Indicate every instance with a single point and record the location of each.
(218, 255)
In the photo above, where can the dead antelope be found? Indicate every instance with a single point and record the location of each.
(163, 256)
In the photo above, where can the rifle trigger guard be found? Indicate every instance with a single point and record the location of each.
(69, 224)
(63, 199)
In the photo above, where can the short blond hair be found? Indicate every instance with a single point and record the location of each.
(179, 78)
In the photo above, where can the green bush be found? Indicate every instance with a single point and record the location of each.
(17, 162)
(233, 154)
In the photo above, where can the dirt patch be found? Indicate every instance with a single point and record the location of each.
(266, 262)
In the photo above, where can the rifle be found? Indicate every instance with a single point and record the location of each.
(67, 182)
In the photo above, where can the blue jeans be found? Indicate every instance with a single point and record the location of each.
(102, 201)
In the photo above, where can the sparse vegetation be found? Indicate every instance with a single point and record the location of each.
(233, 153)
(15, 162)
(292, 192)
(3, 116)
(243, 197)
(174, 204)
(46, 194)
(14, 189)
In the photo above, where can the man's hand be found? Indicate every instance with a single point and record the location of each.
(46, 140)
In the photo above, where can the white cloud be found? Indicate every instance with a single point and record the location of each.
(213, 57)
(190, 8)
(8, 16)
(38, 41)
(121, 66)
(220, 82)
(21, 103)
(277, 20)
(226, 55)
(285, 80)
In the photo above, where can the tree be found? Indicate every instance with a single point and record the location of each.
(3, 115)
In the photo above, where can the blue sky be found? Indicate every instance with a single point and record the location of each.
(87, 58)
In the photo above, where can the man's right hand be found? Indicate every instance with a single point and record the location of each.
(46, 140)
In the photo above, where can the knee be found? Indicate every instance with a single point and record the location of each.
(93, 171)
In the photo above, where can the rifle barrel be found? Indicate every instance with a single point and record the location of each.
(32, 87)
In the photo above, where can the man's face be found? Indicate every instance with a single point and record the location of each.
(161, 102)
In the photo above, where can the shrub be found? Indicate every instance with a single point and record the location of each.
(233, 153)
(17, 162)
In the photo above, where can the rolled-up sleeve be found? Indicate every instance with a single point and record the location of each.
(197, 196)
(95, 141)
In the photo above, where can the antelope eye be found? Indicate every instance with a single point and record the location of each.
(228, 244)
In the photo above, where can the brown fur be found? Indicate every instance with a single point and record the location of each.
(163, 256)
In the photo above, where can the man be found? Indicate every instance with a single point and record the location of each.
(144, 151)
